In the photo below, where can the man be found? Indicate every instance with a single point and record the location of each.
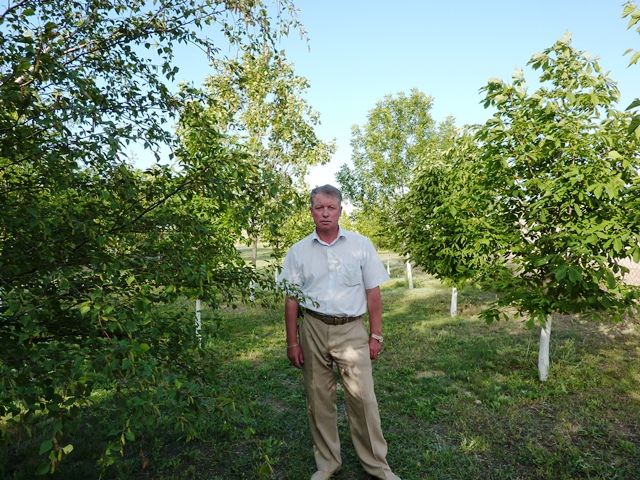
(339, 275)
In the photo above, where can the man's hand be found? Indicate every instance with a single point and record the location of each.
(295, 356)
(374, 348)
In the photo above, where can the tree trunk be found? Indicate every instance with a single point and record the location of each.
(254, 252)
(198, 320)
(254, 261)
(454, 301)
(543, 355)
(389, 264)
(409, 275)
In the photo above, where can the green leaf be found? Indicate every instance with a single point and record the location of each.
(543, 216)
(43, 469)
(541, 261)
(597, 190)
(574, 274)
(628, 10)
(46, 446)
(611, 281)
(634, 125)
(617, 245)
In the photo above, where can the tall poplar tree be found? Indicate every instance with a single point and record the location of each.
(260, 105)
(385, 151)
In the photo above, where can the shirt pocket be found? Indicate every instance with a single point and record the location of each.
(350, 274)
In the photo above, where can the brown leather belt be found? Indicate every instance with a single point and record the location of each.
(332, 320)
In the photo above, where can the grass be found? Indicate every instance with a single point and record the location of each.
(459, 399)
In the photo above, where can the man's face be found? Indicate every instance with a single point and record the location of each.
(326, 211)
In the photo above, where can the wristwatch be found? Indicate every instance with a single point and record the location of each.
(377, 337)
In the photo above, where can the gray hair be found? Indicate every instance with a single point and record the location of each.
(327, 190)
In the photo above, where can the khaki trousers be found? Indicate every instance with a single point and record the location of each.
(348, 346)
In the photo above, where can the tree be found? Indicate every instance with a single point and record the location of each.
(431, 227)
(260, 104)
(90, 245)
(398, 132)
(554, 194)
(633, 12)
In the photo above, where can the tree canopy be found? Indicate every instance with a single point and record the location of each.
(559, 166)
(89, 244)
(259, 103)
(547, 199)
(633, 13)
(430, 228)
(385, 151)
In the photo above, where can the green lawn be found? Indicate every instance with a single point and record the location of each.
(459, 399)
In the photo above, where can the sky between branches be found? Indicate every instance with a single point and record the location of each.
(358, 51)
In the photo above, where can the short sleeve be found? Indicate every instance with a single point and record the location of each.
(374, 273)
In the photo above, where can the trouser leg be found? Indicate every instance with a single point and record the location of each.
(320, 387)
(352, 357)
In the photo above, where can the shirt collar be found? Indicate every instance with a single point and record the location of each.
(341, 234)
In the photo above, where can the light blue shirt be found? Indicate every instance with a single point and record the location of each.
(335, 275)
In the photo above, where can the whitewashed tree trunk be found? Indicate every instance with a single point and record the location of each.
(198, 320)
(254, 252)
(454, 301)
(254, 261)
(409, 275)
(543, 354)
(389, 263)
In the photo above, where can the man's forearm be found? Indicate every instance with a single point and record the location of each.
(374, 307)
(291, 320)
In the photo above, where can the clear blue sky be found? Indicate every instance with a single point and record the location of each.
(362, 50)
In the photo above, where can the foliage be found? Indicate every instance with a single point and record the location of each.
(365, 223)
(430, 227)
(552, 195)
(294, 227)
(260, 105)
(633, 12)
(90, 245)
(398, 132)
